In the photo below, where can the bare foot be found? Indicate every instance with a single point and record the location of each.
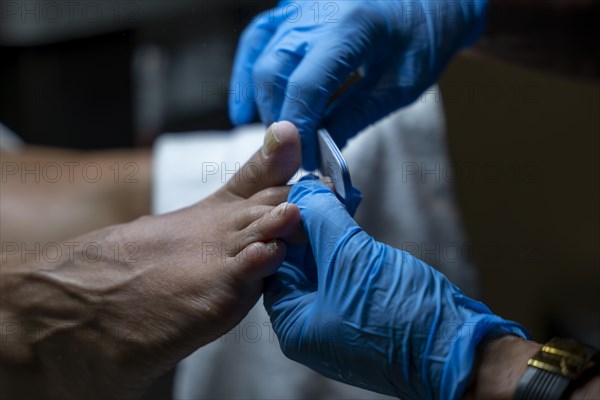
(181, 280)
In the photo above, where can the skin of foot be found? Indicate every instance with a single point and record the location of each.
(117, 307)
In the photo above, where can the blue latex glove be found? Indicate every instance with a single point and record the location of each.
(370, 315)
(292, 59)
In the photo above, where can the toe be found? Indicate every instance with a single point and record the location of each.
(249, 215)
(272, 196)
(273, 165)
(258, 260)
(281, 221)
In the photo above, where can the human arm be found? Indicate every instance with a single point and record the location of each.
(367, 314)
(373, 316)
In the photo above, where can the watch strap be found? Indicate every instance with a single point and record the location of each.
(552, 370)
(537, 384)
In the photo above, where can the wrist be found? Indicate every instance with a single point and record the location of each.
(499, 366)
(554, 372)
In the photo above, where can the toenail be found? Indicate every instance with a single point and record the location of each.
(279, 210)
(271, 141)
(272, 246)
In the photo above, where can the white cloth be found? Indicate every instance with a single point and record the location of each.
(408, 208)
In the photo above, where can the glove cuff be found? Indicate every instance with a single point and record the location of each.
(458, 368)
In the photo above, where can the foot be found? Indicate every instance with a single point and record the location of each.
(164, 286)
(203, 266)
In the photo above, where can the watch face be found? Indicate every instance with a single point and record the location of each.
(552, 369)
(561, 356)
(566, 347)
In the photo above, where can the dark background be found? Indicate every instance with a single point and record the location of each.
(540, 203)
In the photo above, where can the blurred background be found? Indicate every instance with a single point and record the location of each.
(106, 74)
(134, 68)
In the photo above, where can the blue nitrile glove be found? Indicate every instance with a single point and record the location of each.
(371, 315)
(292, 59)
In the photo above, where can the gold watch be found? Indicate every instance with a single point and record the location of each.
(552, 371)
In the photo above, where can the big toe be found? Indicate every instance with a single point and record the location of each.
(273, 165)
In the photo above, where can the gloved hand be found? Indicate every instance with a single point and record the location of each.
(292, 59)
(364, 313)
